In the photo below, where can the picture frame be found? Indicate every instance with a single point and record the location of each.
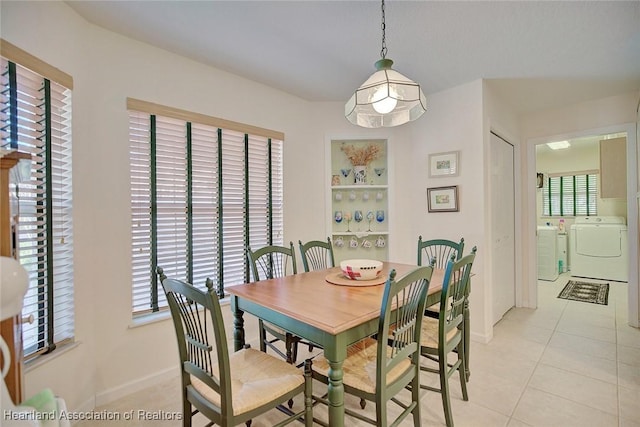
(443, 199)
(444, 164)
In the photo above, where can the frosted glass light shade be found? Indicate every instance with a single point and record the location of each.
(384, 100)
(368, 105)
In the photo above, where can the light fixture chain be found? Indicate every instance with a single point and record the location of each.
(383, 51)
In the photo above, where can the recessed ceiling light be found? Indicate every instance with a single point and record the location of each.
(559, 145)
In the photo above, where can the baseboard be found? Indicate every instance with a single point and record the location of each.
(481, 338)
(115, 393)
(86, 406)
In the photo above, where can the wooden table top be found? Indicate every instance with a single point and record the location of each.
(309, 298)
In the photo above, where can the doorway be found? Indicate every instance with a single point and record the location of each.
(625, 207)
(502, 226)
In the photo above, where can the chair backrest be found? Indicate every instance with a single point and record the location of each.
(197, 317)
(270, 262)
(440, 249)
(454, 291)
(401, 316)
(317, 255)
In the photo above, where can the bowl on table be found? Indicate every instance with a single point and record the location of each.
(361, 269)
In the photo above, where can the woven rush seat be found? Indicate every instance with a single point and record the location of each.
(429, 337)
(360, 366)
(275, 328)
(256, 378)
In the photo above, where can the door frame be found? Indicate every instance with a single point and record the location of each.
(514, 158)
(530, 290)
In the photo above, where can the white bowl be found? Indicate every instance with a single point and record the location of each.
(361, 269)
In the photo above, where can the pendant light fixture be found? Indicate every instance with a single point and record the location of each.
(387, 98)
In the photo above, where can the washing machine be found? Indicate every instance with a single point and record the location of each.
(598, 248)
(547, 252)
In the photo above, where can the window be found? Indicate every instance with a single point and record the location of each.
(571, 195)
(202, 190)
(36, 118)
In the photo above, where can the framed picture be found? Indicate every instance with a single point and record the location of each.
(443, 199)
(444, 164)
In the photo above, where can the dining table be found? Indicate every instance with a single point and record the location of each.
(333, 316)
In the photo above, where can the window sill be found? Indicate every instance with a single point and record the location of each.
(151, 318)
(46, 358)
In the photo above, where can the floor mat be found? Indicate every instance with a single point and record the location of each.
(595, 293)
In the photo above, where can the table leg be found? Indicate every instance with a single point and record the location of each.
(336, 394)
(238, 325)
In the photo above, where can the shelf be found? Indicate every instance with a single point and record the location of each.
(360, 233)
(358, 187)
(370, 194)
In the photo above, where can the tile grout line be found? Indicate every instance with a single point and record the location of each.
(524, 389)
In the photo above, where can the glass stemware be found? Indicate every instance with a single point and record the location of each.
(369, 218)
(347, 217)
(380, 215)
(345, 172)
(378, 171)
(357, 215)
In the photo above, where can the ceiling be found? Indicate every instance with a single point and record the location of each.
(537, 55)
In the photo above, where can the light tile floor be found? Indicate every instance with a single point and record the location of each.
(564, 364)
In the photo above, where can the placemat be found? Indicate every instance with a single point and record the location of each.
(338, 278)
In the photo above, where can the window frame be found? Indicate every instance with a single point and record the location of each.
(554, 195)
(249, 212)
(37, 120)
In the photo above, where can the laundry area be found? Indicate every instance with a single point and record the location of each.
(581, 208)
(598, 248)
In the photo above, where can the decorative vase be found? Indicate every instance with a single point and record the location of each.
(360, 175)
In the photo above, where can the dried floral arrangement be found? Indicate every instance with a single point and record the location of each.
(361, 156)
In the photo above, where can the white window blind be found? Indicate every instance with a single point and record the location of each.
(571, 195)
(233, 208)
(199, 195)
(36, 117)
(205, 202)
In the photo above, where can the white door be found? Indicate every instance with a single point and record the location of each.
(502, 226)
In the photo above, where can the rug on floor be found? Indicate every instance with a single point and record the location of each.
(596, 293)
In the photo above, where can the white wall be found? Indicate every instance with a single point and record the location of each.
(453, 122)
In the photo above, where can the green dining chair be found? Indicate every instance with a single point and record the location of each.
(444, 336)
(440, 249)
(228, 389)
(378, 370)
(317, 255)
(270, 262)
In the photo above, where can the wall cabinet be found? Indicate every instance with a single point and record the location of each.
(613, 168)
(359, 199)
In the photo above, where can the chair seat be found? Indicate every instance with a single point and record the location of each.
(275, 330)
(359, 369)
(434, 310)
(429, 336)
(257, 378)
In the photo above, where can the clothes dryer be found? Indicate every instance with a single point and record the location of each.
(598, 248)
